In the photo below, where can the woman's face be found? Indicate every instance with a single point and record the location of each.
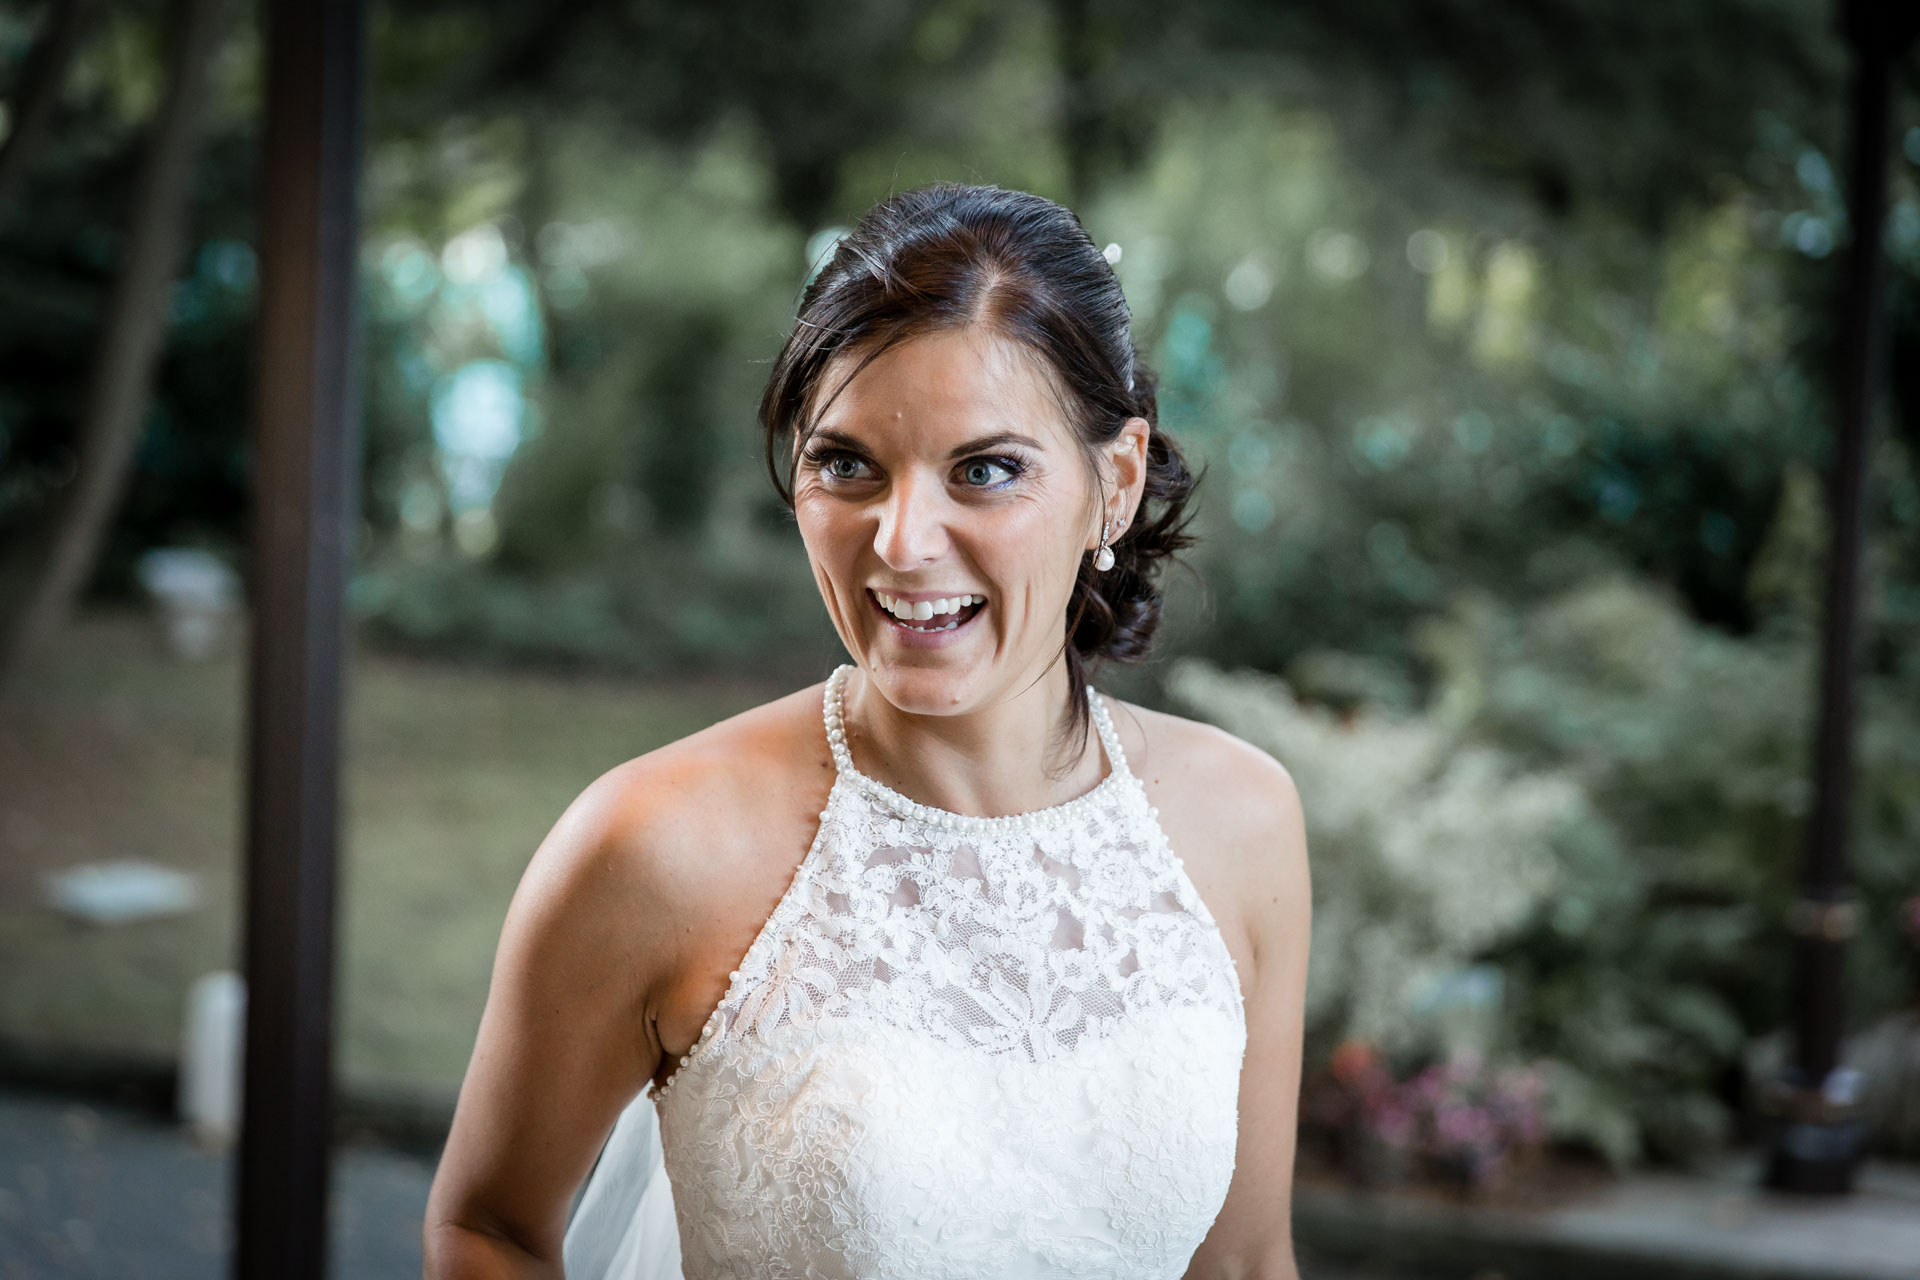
(946, 481)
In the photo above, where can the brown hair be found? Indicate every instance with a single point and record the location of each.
(949, 256)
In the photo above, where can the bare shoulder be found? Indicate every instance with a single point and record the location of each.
(1173, 752)
(667, 825)
(658, 852)
(682, 855)
(1233, 814)
(609, 945)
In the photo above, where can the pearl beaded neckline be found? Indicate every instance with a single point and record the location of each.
(949, 820)
(961, 1046)
(905, 806)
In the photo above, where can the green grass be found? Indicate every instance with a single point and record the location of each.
(451, 777)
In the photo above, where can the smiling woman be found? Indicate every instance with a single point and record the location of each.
(1019, 379)
(916, 486)
(902, 975)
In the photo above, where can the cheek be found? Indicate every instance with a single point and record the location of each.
(825, 529)
(1033, 547)
(832, 544)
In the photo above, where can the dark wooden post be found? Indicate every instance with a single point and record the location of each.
(1817, 1138)
(305, 513)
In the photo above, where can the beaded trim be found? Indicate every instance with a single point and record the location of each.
(947, 819)
(769, 930)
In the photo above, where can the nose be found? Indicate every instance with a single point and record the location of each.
(912, 529)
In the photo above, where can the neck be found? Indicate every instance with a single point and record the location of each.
(1002, 757)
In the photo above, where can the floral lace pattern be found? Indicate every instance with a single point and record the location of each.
(965, 1047)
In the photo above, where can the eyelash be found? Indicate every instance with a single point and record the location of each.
(1006, 462)
(1014, 467)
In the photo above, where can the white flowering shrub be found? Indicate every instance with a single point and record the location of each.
(1600, 805)
(1427, 851)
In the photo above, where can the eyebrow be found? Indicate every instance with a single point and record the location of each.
(976, 445)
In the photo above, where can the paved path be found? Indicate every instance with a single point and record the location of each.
(100, 1193)
(1716, 1225)
(90, 1192)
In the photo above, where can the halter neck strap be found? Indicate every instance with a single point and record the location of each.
(833, 711)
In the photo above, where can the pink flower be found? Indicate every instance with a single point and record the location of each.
(1394, 1125)
(1429, 1086)
(1463, 1126)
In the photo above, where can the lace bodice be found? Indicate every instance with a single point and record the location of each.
(965, 1047)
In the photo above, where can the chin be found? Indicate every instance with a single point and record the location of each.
(928, 684)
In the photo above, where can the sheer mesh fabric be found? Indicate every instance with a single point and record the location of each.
(965, 1047)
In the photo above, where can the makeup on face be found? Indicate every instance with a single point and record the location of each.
(944, 502)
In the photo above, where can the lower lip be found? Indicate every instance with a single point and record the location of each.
(924, 639)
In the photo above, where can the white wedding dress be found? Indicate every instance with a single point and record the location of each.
(959, 1047)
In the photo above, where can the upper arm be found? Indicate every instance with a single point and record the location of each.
(563, 1043)
(1252, 1235)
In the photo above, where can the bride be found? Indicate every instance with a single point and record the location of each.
(950, 965)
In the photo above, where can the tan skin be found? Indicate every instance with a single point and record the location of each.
(653, 883)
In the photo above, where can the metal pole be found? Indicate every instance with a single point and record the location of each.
(305, 513)
(1818, 1138)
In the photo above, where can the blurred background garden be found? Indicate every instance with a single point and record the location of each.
(1504, 333)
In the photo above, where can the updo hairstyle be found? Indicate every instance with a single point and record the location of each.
(949, 256)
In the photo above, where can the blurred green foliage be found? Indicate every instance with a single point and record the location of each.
(1501, 331)
(1603, 799)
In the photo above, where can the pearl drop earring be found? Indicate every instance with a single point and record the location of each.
(1103, 558)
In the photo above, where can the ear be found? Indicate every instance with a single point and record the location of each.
(1128, 457)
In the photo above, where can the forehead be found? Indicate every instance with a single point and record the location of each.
(948, 384)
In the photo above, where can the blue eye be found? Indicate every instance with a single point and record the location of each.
(836, 464)
(979, 471)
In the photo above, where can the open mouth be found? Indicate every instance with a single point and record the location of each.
(928, 616)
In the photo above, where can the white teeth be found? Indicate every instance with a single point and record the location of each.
(920, 611)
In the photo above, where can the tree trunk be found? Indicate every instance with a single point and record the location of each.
(1080, 111)
(46, 72)
(48, 570)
